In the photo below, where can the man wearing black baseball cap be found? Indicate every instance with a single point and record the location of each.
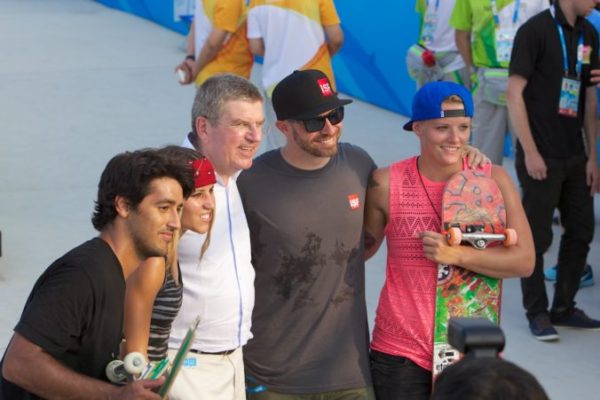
(404, 204)
(310, 116)
(305, 94)
(305, 203)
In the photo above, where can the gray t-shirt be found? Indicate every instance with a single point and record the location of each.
(309, 321)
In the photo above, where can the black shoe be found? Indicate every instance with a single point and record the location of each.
(578, 320)
(541, 328)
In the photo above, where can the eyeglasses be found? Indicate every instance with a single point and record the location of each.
(317, 123)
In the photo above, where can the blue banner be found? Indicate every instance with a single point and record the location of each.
(370, 65)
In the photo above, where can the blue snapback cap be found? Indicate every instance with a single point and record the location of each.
(427, 103)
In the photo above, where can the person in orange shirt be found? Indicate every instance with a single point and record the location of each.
(217, 42)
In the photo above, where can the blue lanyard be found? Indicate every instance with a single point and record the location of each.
(437, 5)
(563, 44)
(515, 12)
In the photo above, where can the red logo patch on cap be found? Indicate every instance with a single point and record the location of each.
(354, 201)
(325, 87)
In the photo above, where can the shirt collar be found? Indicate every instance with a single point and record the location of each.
(232, 178)
(560, 17)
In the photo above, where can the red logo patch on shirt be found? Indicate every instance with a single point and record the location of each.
(354, 201)
(325, 88)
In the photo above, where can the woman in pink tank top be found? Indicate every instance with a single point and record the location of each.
(404, 206)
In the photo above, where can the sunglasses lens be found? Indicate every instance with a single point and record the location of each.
(314, 124)
(336, 116)
(317, 123)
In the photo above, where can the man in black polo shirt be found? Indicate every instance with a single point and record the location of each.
(552, 103)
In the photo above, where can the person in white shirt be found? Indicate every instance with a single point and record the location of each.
(227, 122)
(292, 35)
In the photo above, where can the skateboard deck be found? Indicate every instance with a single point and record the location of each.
(473, 213)
(179, 359)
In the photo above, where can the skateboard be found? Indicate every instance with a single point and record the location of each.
(134, 366)
(473, 213)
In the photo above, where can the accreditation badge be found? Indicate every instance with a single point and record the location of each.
(569, 97)
(429, 25)
(505, 37)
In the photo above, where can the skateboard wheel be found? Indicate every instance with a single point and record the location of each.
(134, 363)
(115, 371)
(454, 236)
(511, 237)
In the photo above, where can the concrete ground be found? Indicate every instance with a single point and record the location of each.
(80, 82)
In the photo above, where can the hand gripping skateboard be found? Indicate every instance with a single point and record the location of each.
(473, 213)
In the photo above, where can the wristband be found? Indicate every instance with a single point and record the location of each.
(190, 57)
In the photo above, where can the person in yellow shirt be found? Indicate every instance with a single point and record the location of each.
(217, 42)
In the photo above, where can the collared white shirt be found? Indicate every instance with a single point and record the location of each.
(219, 287)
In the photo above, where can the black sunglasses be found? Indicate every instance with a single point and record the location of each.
(317, 123)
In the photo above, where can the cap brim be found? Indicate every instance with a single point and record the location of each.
(321, 109)
(409, 125)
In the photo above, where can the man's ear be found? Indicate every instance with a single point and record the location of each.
(283, 126)
(202, 129)
(122, 206)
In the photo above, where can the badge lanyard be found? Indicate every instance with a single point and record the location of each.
(504, 34)
(563, 44)
(568, 103)
(497, 17)
(429, 22)
(437, 5)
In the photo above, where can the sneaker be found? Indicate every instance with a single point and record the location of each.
(578, 320)
(541, 328)
(550, 273)
(587, 276)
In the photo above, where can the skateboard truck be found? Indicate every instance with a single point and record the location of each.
(479, 239)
